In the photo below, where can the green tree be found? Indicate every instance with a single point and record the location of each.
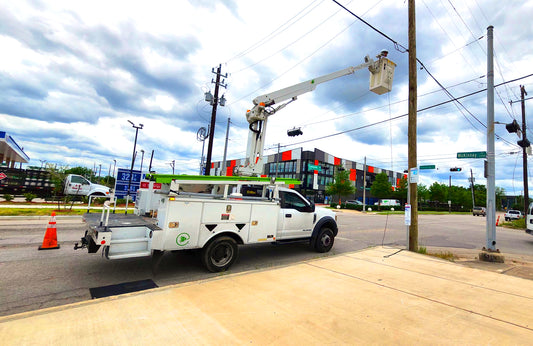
(500, 193)
(401, 190)
(57, 177)
(83, 171)
(423, 193)
(480, 195)
(381, 187)
(341, 186)
(438, 192)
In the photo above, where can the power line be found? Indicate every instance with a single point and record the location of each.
(275, 32)
(290, 44)
(455, 99)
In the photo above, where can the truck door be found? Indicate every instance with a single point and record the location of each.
(296, 216)
(77, 185)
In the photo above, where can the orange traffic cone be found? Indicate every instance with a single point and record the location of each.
(50, 237)
(498, 221)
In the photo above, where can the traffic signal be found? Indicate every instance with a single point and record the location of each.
(524, 143)
(512, 127)
(455, 169)
(294, 132)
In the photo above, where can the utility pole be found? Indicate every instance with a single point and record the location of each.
(524, 153)
(137, 128)
(449, 197)
(411, 131)
(225, 150)
(491, 171)
(472, 187)
(364, 185)
(151, 158)
(214, 102)
(277, 162)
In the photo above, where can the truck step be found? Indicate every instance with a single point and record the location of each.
(121, 255)
(126, 241)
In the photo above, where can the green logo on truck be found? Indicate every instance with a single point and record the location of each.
(183, 239)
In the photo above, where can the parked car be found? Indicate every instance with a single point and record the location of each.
(479, 211)
(513, 215)
(354, 202)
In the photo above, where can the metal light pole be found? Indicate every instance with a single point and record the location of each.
(137, 128)
(172, 164)
(491, 179)
(225, 150)
(201, 135)
(114, 165)
(142, 159)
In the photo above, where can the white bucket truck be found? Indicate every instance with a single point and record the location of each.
(213, 215)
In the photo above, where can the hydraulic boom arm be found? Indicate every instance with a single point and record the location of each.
(381, 74)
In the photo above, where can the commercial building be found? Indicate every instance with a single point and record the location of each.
(315, 169)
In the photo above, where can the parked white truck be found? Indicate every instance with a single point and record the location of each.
(213, 215)
(78, 185)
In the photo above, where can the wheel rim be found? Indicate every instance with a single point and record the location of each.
(325, 240)
(221, 255)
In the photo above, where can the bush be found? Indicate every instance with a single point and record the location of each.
(8, 197)
(29, 196)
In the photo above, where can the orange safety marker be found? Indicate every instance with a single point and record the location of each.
(498, 221)
(50, 237)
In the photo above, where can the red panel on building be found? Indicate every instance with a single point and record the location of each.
(233, 163)
(397, 182)
(336, 161)
(370, 169)
(229, 171)
(353, 174)
(286, 155)
(212, 165)
(316, 162)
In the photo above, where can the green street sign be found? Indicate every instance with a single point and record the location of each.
(314, 167)
(472, 155)
(427, 167)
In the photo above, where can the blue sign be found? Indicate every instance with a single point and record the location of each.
(123, 180)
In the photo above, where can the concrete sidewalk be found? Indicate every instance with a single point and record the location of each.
(378, 296)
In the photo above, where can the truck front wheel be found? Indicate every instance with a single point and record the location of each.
(324, 240)
(220, 254)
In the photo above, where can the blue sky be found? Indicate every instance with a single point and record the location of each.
(73, 73)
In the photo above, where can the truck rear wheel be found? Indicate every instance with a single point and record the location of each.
(220, 254)
(324, 240)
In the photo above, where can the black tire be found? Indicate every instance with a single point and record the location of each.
(506, 219)
(220, 254)
(324, 240)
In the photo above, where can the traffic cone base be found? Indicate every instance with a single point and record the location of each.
(50, 237)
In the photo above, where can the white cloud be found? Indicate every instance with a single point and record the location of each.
(73, 73)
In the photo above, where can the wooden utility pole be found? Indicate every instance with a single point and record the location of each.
(524, 153)
(411, 132)
(213, 118)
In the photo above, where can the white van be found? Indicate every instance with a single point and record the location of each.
(388, 202)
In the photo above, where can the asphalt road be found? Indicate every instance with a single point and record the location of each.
(33, 279)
